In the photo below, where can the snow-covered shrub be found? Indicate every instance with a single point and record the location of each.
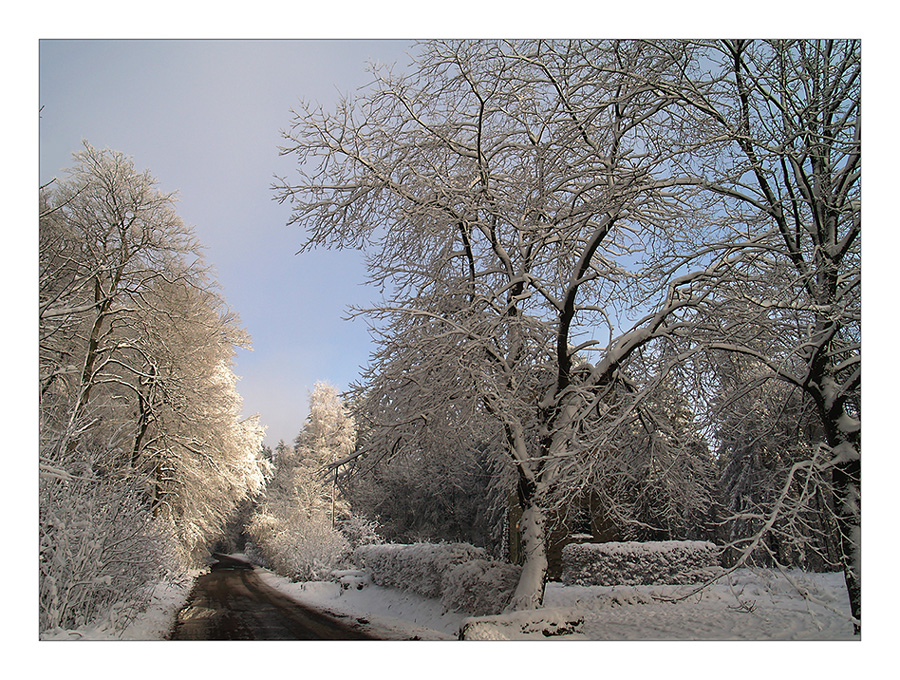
(255, 555)
(359, 531)
(101, 551)
(301, 549)
(635, 563)
(480, 587)
(419, 567)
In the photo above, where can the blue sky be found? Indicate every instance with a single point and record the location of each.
(205, 118)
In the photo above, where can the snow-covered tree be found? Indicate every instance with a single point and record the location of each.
(202, 456)
(139, 407)
(504, 193)
(429, 490)
(523, 204)
(297, 527)
(649, 474)
(429, 463)
(766, 430)
(328, 437)
(776, 125)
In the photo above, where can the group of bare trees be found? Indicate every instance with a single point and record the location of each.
(143, 453)
(575, 238)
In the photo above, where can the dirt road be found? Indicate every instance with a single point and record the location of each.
(234, 604)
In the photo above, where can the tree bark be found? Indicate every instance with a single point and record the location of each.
(529, 593)
(845, 480)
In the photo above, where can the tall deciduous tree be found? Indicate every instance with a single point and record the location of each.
(516, 199)
(505, 193)
(779, 126)
(139, 408)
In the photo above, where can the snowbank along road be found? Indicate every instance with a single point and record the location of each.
(232, 603)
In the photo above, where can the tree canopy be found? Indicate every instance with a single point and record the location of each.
(547, 218)
(143, 451)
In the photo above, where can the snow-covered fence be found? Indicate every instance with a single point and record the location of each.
(419, 567)
(634, 563)
(480, 587)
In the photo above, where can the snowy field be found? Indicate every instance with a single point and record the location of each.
(749, 605)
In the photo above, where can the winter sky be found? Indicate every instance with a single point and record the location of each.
(204, 116)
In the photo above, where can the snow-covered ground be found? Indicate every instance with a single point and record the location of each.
(152, 624)
(391, 614)
(748, 605)
(753, 605)
(157, 621)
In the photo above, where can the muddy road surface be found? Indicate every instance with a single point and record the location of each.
(232, 603)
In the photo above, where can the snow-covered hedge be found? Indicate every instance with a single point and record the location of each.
(101, 552)
(419, 567)
(634, 563)
(480, 587)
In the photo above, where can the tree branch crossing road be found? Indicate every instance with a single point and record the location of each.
(233, 603)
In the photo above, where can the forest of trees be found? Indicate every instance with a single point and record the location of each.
(620, 295)
(143, 453)
(616, 274)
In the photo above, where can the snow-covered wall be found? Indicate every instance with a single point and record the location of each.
(635, 563)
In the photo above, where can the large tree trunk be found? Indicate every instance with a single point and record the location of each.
(846, 486)
(844, 436)
(847, 494)
(529, 593)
